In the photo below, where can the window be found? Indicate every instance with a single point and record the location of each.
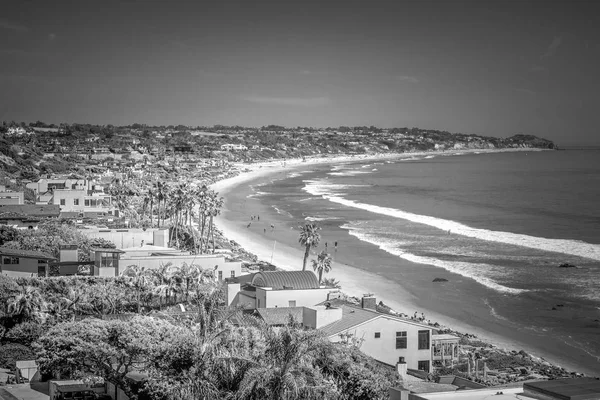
(109, 260)
(401, 340)
(423, 340)
(86, 202)
(423, 366)
(292, 303)
(233, 274)
(42, 261)
(62, 202)
(41, 270)
(10, 260)
(220, 275)
(76, 202)
(377, 335)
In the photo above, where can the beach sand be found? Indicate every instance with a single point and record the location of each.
(277, 246)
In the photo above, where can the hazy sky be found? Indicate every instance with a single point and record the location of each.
(489, 67)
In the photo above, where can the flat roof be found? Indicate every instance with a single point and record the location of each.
(567, 389)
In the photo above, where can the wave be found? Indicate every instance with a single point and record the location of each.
(565, 246)
(466, 269)
(320, 218)
(428, 157)
(282, 212)
(257, 193)
(322, 187)
(348, 173)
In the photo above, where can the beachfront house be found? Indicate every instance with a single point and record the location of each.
(24, 263)
(270, 289)
(386, 338)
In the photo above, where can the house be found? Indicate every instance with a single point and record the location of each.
(26, 215)
(152, 257)
(386, 338)
(68, 262)
(270, 289)
(10, 197)
(25, 263)
(106, 261)
(229, 147)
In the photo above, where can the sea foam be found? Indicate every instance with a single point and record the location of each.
(469, 270)
(565, 246)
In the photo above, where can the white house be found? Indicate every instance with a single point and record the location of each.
(384, 337)
(269, 289)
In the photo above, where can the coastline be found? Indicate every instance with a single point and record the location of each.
(354, 281)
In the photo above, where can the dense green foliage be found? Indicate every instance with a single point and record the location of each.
(76, 324)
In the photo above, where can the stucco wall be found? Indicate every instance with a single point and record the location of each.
(384, 348)
(281, 298)
(24, 268)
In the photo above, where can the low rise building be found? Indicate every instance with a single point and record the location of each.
(24, 263)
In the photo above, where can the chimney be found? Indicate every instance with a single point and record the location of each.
(369, 302)
(68, 252)
(401, 367)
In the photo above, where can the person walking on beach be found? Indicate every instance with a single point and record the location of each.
(265, 230)
(248, 226)
(258, 217)
(335, 246)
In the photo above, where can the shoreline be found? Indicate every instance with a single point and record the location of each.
(354, 281)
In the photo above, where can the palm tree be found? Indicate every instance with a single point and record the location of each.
(162, 192)
(188, 274)
(309, 237)
(28, 303)
(139, 279)
(322, 264)
(286, 371)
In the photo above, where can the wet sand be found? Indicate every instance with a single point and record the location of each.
(280, 246)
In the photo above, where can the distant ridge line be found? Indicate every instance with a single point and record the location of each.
(594, 147)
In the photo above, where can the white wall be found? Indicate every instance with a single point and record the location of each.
(205, 262)
(130, 238)
(318, 316)
(281, 298)
(384, 348)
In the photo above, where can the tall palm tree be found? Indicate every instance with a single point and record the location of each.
(27, 304)
(162, 190)
(322, 264)
(139, 279)
(216, 203)
(286, 371)
(309, 237)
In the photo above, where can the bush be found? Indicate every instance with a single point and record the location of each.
(25, 333)
(13, 352)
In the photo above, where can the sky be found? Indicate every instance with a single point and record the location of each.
(495, 68)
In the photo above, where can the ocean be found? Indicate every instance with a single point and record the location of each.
(496, 226)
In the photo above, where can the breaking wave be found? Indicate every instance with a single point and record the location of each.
(565, 246)
(469, 270)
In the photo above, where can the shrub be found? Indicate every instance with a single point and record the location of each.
(25, 333)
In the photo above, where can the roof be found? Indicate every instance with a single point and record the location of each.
(25, 253)
(280, 315)
(444, 336)
(568, 389)
(103, 250)
(286, 280)
(32, 210)
(353, 316)
(26, 364)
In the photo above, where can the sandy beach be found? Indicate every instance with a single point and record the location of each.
(276, 246)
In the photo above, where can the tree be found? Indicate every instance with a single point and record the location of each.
(286, 371)
(139, 279)
(106, 349)
(27, 304)
(309, 237)
(322, 264)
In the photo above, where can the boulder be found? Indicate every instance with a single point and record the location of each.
(566, 265)
(440, 280)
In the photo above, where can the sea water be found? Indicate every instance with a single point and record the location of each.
(497, 226)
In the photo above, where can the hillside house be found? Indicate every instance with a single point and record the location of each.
(24, 263)
(386, 338)
(26, 216)
(270, 289)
